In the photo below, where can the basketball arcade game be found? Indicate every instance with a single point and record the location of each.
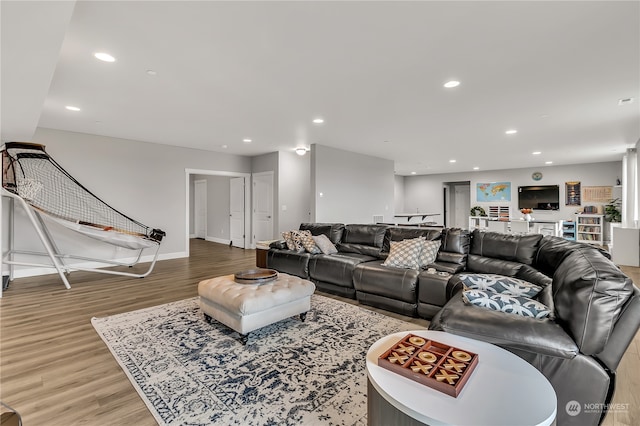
(46, 192)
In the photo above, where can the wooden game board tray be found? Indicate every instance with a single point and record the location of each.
(436, 365)
(255, 276)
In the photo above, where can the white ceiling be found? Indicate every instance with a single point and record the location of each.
(373, 70)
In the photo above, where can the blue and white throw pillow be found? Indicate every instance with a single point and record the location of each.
(522, 306)
(405, 254)
(429, 252)
(499, 284)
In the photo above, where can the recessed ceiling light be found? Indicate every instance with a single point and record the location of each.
(537, 152)
(247, 140)
(104, 57)
(452, 161)
(548, 162)
(511, 132)
(151, 72)
(318, 120)
(413, 173)
(72, 108)
(476, 168)
(224, 146)
(452, 83)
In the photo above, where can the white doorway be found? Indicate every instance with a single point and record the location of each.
(458, 204)
(262, 206)
(190, 202)
(236, 212)
(200, 209)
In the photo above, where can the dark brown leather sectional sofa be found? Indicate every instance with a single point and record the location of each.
(596, 307)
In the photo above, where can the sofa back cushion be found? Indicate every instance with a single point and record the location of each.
(454, 246)
(399, 233)
(363, 239)
(552, 251)
(589, 292)
(514, 248)
(332, 230)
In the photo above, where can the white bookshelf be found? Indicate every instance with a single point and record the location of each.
(589, 228)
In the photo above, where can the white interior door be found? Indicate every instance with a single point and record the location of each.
(263, 206)
(200, 209)
(462, 196)
(236, 212)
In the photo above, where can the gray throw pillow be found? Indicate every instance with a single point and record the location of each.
(324, 244)
(500, 284)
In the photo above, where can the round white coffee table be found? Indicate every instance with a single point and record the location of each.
(502, 390)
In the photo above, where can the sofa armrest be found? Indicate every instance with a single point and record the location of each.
(506, 330)
(280, 245)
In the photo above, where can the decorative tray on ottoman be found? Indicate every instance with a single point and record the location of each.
(255, 276)
(434, 364)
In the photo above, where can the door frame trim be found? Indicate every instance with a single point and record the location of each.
(247, 199)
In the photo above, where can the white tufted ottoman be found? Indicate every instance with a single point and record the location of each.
(247, 307)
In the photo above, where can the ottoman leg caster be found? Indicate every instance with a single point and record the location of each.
(207, 318)
(243, 339)
(303, 316)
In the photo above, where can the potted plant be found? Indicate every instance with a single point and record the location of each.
(613, 217)
(612, 211)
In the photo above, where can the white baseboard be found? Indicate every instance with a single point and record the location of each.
(217, 240)
(33, 272)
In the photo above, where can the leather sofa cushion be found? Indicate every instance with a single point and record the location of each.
(515, 248)
(455, 240)
(371, 235)
(506, 330)
(394, 283)
(336, 268)
(489, 265)
(289, 262)
(589, 293)
(407, 233)
(332, 230)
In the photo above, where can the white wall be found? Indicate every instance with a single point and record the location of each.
(145, 181)
(293, 190)
(398, 194)
(425, 192)
(349, 187)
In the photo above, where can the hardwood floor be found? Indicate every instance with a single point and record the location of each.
(55, 370)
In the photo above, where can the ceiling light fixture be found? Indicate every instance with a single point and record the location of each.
(548, 162)
(452, 161)
(413, 173)
(301, 151)
(318, 120)
(151, 72)
(625, 101)
(511, 132)
(72, 108)
(536, 152)
(247, 140)
(105, 57)
(224, 146)
(452, 83)
(476, 168)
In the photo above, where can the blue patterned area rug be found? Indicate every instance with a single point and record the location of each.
(190, 372)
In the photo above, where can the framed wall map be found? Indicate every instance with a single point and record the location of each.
(494, 191)
(573, 195)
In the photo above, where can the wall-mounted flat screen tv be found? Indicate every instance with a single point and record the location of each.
(539, 197)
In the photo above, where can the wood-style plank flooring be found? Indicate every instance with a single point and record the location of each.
(55, 369)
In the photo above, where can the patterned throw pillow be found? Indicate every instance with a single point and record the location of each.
(405, 254)
(429, 252)
(306, 240)
(291, 239)
(522, 306)
(495, 283)
(324, 244)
